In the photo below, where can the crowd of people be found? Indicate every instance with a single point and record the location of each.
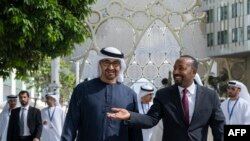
(104, 109)
(26, 123)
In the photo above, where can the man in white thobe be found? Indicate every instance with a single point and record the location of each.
(237, 107)
(52, 118)
(144, 103)
(5, 115)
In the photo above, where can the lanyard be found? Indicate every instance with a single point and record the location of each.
(144, 112)
(51, 117)
(230, 113)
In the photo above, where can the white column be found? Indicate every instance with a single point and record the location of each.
(214, 69)
(13, 82)
(55, 72)
(77, 68)
(32, 93)
(1, 89)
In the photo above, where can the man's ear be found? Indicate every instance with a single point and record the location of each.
(194, 71)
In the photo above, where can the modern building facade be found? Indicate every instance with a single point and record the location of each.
(228, 36)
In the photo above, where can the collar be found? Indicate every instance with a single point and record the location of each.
(53, 107)
(191, 89)
(26, 107)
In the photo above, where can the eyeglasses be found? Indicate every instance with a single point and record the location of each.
(107, 63)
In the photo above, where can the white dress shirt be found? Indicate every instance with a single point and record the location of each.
(26, 128)
(191, 98)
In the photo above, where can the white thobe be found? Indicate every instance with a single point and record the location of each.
(236, 112)
(143, 109)
(53, 120)
(4, 121)
(157, 132)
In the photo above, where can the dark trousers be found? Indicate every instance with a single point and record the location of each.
(25, 138)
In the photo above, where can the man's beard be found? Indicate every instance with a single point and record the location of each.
(24, 103)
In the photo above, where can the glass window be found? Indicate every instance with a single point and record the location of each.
(225, 37)
(210, 16)
(237, 9)
(248, 32)
(210, 39)
(248, 6)
(237, 34)
(234, 10)
(222, 37)
(240, 34)
(223, 13)
(219, 37)
(218, 13)
(234, 35)
(240, 9)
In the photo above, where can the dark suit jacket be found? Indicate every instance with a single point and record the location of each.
(34, 123)
(167, 105)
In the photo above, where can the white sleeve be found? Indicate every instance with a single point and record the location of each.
(246, 114)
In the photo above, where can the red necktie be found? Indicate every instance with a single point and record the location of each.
(185, 105)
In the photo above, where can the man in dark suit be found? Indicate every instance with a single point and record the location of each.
(25, 122)
(186, 108)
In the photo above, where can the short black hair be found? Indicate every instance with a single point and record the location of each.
(194, 63)
(164, 81)
(24, 91)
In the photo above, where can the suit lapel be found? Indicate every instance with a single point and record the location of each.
(18, 115)
(178, 104)
(198, 103)
(29, 116)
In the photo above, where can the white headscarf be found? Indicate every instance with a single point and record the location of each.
(112, 53)
(54, 96)
(198, 79)
(9, 97)
(145, 90)
(243, 89)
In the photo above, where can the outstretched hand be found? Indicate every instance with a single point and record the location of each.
(119, 113)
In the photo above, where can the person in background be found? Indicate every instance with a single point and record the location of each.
(145, 97)
(165, 82)
(86, 118)
(52, 118)
(5, 115)
(186, 108)
(237, 107)
(25, 123)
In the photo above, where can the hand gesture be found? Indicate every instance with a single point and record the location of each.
(119, 113)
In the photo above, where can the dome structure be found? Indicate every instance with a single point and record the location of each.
(151, 33)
